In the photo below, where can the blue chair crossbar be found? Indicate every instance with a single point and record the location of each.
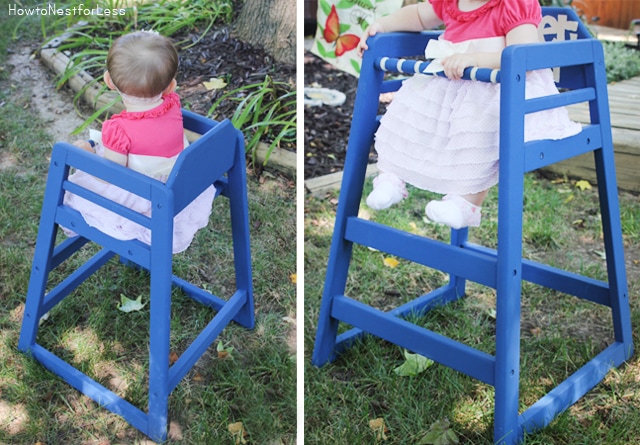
(218, 158)
(580, 61)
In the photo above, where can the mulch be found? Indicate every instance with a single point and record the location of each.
(220, 55)
(326, 128)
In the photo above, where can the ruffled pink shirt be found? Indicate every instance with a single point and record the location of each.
(493, 19)
(155, 132)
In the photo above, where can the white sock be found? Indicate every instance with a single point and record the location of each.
(454, 211)
(388, 190)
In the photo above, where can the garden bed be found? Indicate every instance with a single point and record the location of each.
(217, 55)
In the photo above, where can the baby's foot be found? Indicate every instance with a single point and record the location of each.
(454, 211)
(388, 190)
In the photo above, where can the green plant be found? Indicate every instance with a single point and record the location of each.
(622, 62)
(167, 17)
(266, 110)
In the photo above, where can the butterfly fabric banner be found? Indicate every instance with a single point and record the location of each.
(341, 23)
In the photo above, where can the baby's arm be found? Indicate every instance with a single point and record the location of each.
(116, 157)
(417, 17)
(454, 65)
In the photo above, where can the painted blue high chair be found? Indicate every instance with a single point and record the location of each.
(582, 73)
(217, 157)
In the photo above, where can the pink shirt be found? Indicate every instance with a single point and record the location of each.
(155, 132)
(493, 19)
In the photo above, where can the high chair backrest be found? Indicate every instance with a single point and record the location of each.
(205, 160)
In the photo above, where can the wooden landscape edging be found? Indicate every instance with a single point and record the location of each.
(281, 160)
(624, 110)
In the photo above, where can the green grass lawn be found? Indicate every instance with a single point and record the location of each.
(559, 333)
(255, 384)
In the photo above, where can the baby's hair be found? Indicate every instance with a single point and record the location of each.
(142, 64)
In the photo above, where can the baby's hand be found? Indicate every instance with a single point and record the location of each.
(455, 64)
(372, 30)
(85, 145)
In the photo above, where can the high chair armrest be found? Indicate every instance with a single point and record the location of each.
(535, 56)
(570, 56)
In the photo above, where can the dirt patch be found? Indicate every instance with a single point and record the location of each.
(219, 55)
(55, 106)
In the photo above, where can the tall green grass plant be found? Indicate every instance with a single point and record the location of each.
(266, 111)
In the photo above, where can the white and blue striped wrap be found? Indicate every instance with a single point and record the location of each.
(406, 66)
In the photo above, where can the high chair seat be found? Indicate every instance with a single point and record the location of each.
(218, 158)
(578, 59)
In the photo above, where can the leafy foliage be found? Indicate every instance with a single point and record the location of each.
(266, 110)
(622, 62)
(414, 364)
(440, 433)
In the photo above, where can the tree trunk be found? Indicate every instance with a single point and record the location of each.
(270, 24)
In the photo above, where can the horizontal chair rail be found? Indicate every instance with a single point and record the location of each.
(446, 351)
(58, 293)
(537, 56)
(470, 261)
(541, 153)
(65, 249)
(133, 250)
(92, 389)
(559, 100)
(451, 259)
(195, 350)
(112, 206)
(108, 171)
(418, 306)
(557, 279)
(541, 413)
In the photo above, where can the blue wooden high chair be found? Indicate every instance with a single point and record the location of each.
(582, 72)
(217, 157)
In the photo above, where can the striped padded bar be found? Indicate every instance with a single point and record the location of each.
(406, 66)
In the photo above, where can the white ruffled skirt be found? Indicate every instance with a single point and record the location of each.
(442, 135)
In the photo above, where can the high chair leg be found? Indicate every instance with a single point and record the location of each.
(239, 208)
(42, 260)
(159, 331)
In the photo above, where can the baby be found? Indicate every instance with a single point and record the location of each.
(147, 137)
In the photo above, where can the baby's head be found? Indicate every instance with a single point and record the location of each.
(142, 64)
